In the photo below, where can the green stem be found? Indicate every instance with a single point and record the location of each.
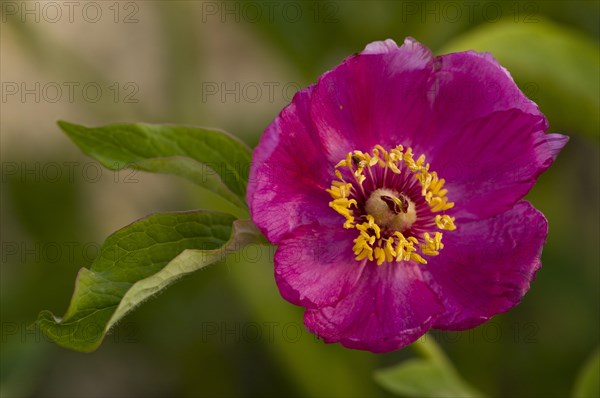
(427, 348)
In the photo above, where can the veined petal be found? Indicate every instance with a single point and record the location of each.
(495, 160)
(390, 307)
(471, 85)
(375, 97)
(289, 174)
(315, 266)
(487, 266)
(466, 88)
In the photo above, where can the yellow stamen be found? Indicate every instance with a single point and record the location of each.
(445, 222)
(389, 244)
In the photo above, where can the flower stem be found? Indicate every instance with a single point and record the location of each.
(427, 348)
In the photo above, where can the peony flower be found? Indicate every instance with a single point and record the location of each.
(393, 188)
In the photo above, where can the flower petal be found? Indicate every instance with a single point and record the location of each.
(374, 98)
(315, 267)
(289, 174)
(388, 45)
(494, 161)
(486, 266)
(390, 307)
(470, 85)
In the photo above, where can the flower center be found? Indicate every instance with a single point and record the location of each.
(394, 202)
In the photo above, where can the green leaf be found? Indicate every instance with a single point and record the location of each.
(210, 158)
(423, 378)
(555, 66)
(588, 380)
(431, 376)
(138, 262)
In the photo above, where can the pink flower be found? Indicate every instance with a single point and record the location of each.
(393, 188)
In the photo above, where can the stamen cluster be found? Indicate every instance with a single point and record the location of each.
(402, 241)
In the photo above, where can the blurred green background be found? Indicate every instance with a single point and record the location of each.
(234, 65)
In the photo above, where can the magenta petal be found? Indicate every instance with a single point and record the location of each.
(286, 186)
(390, 307)
(470, 85)
(375, 97)
(494, 161)
(385, 46)
(315, 266)
(486, 266)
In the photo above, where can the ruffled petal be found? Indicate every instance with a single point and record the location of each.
(486, 266)
(390, 307)
(494, 161)
(315, 267)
